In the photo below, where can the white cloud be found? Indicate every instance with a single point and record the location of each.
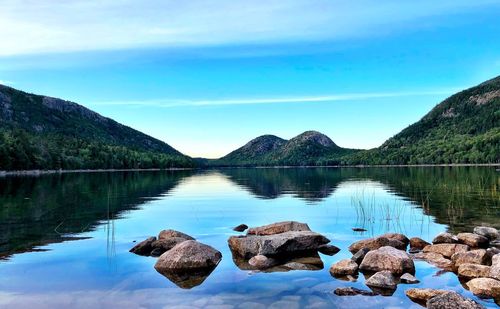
(166, 103)
(47, 26)
(6, 82)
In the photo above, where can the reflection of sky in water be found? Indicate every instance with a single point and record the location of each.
(100, 272)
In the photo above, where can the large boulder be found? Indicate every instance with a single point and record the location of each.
(164, 244)
(495, 267)
(390, 259)
(277, 244)
(452, 300)
(401, 237)
(478, 256)
(417, 244)
(422, 295)
(473, 240)
(485, 287)
(446, 250)
(435, 259)
(489, 232)
(144, 247)
(278, 228)
(375, 243)
(382, 280)
(473, 270)
(344, 268)
(173, 233)
(445, 238)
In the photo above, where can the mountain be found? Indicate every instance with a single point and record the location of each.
(464, 128)
(308, 148)
(40, 132)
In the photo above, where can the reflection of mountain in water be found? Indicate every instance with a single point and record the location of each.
(41, 210)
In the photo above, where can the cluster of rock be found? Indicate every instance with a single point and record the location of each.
(475, 257)
(280, 246)
(183, 260)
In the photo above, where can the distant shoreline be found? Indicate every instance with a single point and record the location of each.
(44, 172)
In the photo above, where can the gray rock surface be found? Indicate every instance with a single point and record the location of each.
(388, 258)
(452, 300)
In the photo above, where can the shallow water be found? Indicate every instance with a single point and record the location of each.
(64, 239)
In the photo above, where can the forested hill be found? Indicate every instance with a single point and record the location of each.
(39, 132)
(465, 128)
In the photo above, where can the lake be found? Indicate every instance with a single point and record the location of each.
(65, 238)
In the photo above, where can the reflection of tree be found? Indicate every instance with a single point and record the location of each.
(51, 208)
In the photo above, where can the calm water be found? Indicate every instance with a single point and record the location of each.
(64, 239)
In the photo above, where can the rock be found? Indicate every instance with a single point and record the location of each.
(157, 252)
(473, 240)
(144, 247)
(388, 258)
(402, 238)
(358, 229)
(417, 244)
(492, 251)
(382, 280)
(495, 267)
(495, 244)
(262, 262)
(360, 255)
(408, 278)
(485, 287)
(173, 233)
(375, 243)
(165, 244)
(478, 256)
(446, 250)
(278, 228)
(344, 268)
(188, 255)
(489, 232)
(452, 300)
(445, 238)
(240, 228)
(435, 259)
(473, 270)
(328, 249)
(276, 244)
(350, 291)
(422, 295)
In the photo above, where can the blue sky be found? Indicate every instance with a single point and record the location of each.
(207, 76)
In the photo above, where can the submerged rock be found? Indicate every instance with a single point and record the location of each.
(417, 244)
(350, 291)
(240, 228)
(445, 238)
(382, 282)
(489, 232)
(473, 270)
(478, 256)
(485, 287)
(344, 268)
(420, 295)
(435, 259)
(262, 262)
(473, 240)
(328, 249)
(144, 247)
(360, 255)
(390, 259)
(375, 243)
(408, 279)
(446, 250)
(278, 228)
(358, 229)
(452, 300)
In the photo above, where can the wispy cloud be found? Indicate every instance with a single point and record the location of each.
(31, 27)
(6, 82)
(169, 103)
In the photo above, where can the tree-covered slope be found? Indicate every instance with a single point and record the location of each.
(465, 128)
(308, 148)
(39, 132)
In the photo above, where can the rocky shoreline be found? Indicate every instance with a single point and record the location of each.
(385, 260)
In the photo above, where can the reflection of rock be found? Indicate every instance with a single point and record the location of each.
(485, 287)
(452, 300)
(489, 232)
(382, 282)
(350, 291)
(388, 258)
(262, 262)
(188, 263)
(303, 261)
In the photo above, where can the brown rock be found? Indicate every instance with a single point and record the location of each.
(262, 262)
(382, 280)
(473, 240)
(435, 259)
(489, 232)
(478, 256)
(495, 267)
(485, 287)
(390, 259)
(452, 300)
(445, 238)
(165, 244)
(375, 243)
(402, 238)
(278, 227)
(344, 268)
(447, 250)
(188, 255)
(144, 247)
(350, 291)
(240, 228)
(173, 233)
(473, 270)
(418, 243)
(422, 295)
(408, 278)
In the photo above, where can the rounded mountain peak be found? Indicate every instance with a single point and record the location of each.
(315, 137)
